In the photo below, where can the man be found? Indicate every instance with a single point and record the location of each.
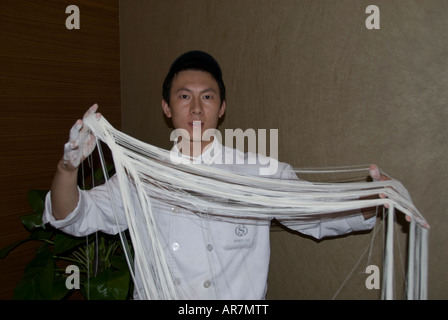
(208, 259)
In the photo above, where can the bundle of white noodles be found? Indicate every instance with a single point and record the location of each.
(201, 188)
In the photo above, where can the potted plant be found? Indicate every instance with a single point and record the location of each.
(98, 261)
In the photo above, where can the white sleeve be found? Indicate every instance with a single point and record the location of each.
(95, 211)
(330, 227)
(335, 224)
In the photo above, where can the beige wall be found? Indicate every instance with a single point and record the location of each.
(338, 93)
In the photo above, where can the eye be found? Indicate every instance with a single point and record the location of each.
(184, 96)
(207, 96)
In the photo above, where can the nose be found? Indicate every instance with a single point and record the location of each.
(196, 107)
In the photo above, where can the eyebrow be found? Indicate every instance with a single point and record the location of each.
(189, 90)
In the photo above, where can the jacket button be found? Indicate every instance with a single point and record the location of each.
(207, 284)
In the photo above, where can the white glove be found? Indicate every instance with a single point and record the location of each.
(81, 142)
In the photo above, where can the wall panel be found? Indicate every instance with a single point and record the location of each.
(49, 77)
(339, 94)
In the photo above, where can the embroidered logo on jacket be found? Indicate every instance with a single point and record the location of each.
(241, 230)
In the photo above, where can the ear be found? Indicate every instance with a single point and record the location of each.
(166, 109)
(222, 109)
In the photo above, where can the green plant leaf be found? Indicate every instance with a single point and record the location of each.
(36, 199)
(59, 288)
(6, 250)
(37, 234)
(64, 242)
(37, 282)
(41, 234)
(119, 262)
(99, 174)
(107, 285)
(32, 221)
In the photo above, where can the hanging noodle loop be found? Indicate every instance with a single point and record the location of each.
(226, 195)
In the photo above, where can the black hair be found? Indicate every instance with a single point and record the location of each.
(194, 60)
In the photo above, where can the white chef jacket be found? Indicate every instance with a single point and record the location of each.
(208, 258)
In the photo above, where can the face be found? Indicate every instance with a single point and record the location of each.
(194, 99)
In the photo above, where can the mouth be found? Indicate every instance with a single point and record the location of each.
(196, 124)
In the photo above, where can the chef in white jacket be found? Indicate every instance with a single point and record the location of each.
(208, 258)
